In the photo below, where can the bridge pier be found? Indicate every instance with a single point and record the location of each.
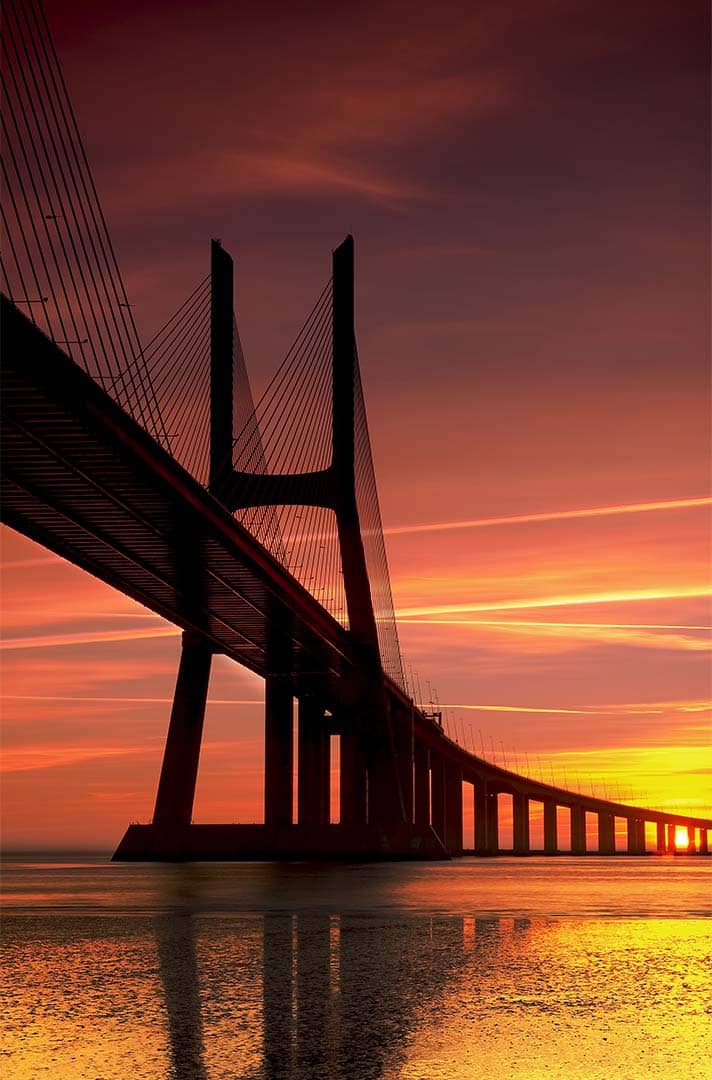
(480, 808)
(437, 795)
(704, 842)
(279, 750)
(606, 834)
(578, 830)
(313, 761)
(636, 836)
(353, 781)
(520, 829)
(551, 843)
(660, 839)
(421, 783)
(453, 810)
(691, 846)
(492, 819)
(402, 727)
(179, 772)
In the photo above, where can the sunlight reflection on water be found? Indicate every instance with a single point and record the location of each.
(504, 968)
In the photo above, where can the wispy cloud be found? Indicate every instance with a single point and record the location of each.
(553, 515)
(89, 637)
(565, 600)
(568, 634)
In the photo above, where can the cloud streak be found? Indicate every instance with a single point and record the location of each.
(552, 515)
(89, 637)
(566, 600)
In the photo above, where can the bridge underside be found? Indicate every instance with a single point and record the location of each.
(139, 521)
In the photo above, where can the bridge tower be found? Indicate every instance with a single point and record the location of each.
(371, 781)
(376, 747)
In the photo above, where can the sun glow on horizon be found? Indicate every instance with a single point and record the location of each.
(682, 839)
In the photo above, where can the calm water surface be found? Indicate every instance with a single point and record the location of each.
(576, 969)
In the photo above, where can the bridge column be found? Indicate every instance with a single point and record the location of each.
(578, 830)
(453, 810)
(671, 845)
(179, 772)
(353, 782)
(437, 795)
(279, 750)
(313, 742)
(636, 836)
(520, 830)
(421, 769)
(691, 846)
(480, 807)
(660, 838)
(402, 722)
(492, 819)
(551, 844)
(704, 842)
(606, 834)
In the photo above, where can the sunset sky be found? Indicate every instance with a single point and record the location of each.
(527, 185)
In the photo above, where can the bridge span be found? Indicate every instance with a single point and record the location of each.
(83, 478)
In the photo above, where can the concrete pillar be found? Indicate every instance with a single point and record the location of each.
(279, 750)
(403, 737)
(691, 846)
(550, 828)
(353, 784)
(480, 801)
(520, 808)
(437, 795)
(383, 803)
(578, 830)
(704, 842)
(421, 770)
(312, 741)
(179, 772)
(660, 844)
(636, 836)
(453, 810)
(606, 834)
(671, 845)
(492, 819)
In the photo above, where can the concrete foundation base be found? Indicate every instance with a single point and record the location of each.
(149, 843)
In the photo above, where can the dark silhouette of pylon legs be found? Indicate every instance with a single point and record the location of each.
(179, 772)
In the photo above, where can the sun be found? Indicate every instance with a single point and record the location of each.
(681, 838)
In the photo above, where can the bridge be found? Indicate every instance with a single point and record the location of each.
(253, 526)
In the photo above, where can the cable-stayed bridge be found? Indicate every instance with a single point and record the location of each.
(254, 526)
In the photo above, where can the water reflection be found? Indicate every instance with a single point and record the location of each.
(176, 941)
(354, 973)
(338, 996)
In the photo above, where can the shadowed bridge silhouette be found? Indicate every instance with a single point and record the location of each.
(255, 527)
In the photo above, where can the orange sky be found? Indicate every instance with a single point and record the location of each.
(528, 188)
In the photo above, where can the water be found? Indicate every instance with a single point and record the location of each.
(518, 969)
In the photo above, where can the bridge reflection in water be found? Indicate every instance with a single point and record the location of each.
(307, 994)
(475, 969)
